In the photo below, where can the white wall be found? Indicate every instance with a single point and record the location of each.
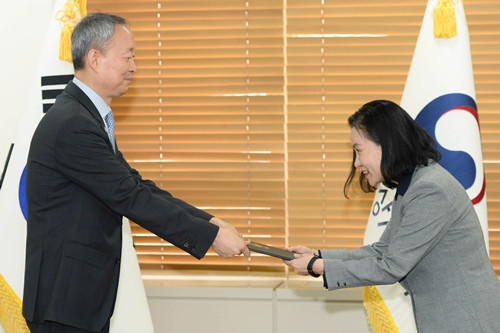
(23, 26)
(278, 309)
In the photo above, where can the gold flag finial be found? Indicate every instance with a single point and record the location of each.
(73, 11)
(445, 23)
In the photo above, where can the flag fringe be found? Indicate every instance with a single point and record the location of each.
(69, 16)
(379, 316)
(11, 316)
(445, 22)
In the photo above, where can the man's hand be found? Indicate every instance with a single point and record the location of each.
(228, 242)
(223, 224)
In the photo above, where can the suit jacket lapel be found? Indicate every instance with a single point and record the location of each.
(77, 93)
(80, 96)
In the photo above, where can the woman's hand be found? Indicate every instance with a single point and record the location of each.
(303, 255)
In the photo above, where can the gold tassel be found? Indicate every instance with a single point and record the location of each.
(65, 43)
(445, 23)
(69, 15)
(82, 7)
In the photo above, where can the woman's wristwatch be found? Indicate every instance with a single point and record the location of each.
(310, 266)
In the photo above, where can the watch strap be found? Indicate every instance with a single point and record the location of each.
(310, 266)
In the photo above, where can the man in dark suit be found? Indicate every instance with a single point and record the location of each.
(79, 187)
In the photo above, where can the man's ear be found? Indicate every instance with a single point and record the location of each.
(93, 59)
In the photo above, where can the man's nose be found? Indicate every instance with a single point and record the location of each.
(133, 67)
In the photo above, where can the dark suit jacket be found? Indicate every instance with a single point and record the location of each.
(78, 190)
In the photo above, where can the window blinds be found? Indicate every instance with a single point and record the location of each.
(240, 108)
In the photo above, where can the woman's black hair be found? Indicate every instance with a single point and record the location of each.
(405, 144)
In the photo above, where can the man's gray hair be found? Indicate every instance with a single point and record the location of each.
(94, 31)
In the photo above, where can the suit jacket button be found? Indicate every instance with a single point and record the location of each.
(117, 260)
(186, 244)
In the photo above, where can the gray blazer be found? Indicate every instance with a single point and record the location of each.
(434, 247)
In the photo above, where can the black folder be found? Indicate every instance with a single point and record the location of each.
(271, 251)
